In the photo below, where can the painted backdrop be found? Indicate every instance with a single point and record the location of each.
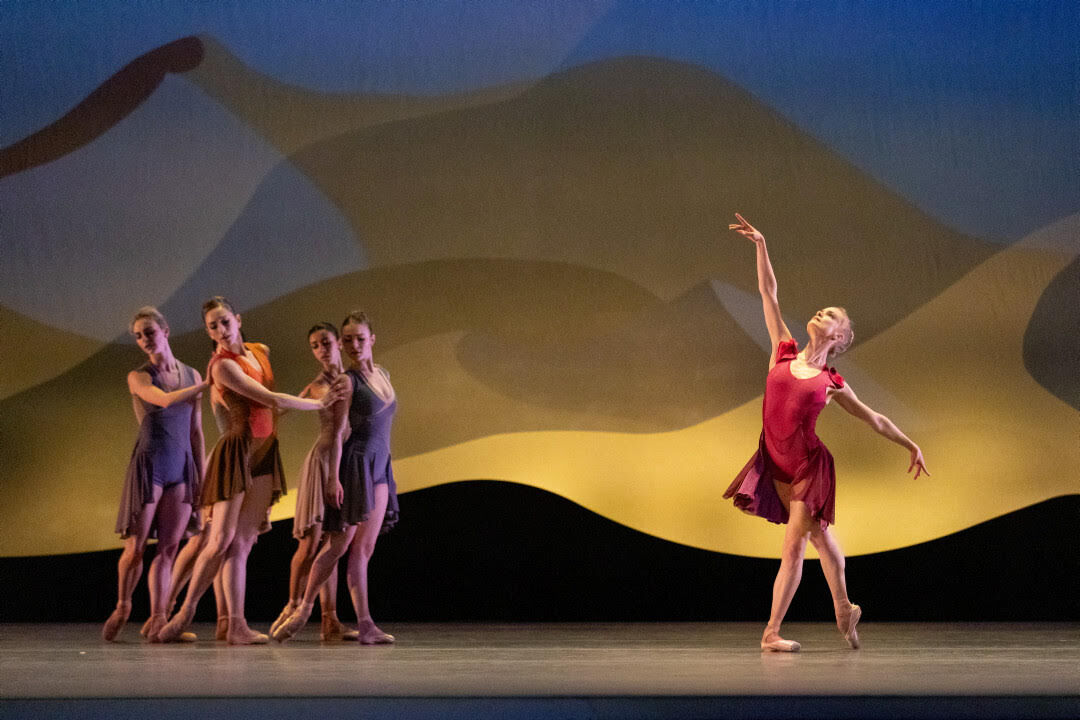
(531, 200)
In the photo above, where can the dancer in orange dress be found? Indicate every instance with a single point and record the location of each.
(244, 474)
(791, 477)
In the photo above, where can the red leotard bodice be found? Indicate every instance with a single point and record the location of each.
(790, 410)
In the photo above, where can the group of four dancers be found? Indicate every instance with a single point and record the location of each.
(347, 488)
(347, 494)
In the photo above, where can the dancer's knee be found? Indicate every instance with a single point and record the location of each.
(794, 549)
(365, 547)
(167, 551)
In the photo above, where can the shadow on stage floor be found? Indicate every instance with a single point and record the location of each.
(620, 670)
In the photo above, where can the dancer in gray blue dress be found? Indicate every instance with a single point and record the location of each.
(361, 496)
(164, 471)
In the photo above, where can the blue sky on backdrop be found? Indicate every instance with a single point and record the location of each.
(971, 110)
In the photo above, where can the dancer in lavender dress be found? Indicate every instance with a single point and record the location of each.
(163, 475)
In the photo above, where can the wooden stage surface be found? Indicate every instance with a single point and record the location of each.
(551, 670)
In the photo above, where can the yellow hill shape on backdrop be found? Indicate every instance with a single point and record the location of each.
(995, 440)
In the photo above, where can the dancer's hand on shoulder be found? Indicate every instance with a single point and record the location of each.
(338, 389)
(917, 463)
(746, 229)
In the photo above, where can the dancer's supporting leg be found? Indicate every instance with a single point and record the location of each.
(172, 519)
(234, 574)
(363, 546)
(788, 577)
(130, 567)
(207, 564)
(332, 627)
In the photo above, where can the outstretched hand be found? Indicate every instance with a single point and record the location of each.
(746, 229)
(917, 463)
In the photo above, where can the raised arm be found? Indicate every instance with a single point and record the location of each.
(333, 493)
(140, 385)
(845, 398)
(229, 374)
(774, 321)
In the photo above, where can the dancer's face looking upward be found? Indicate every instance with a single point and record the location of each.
(356, 341)
(150, 336)
(831, 323)
(222, 325)
(326, 348)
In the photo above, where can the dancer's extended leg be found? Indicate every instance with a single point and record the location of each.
(130, 567)
(209, 561)
(832, 565)
(321, 569)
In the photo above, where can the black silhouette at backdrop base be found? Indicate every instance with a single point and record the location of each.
(491, 551)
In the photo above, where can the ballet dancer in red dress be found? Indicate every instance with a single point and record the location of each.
(791, 477)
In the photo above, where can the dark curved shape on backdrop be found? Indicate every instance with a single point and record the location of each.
(1051, 341)
(111, 102)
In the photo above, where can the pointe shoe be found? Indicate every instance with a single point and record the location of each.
(333, 630)
(290, 608)
(221, 632)
(175, 628)
(780, 645)
(152, 628)
(851, 634)
(240, 634)
(116, 622)
(370, 634)
(290, 627)
(187, 637)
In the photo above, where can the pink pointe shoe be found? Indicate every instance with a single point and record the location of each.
(116, 622)
(293, 625)
(370, 634)
(333, 630)
(176, 629)
(847, 625)
(780, 645)
(240, 634)
(290, 608)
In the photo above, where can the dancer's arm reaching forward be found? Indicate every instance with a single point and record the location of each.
(778, 331)
(845, 398)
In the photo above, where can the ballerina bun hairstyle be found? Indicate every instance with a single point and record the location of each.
(216, 302)
(148, 312)
(328, 327)
(848, 336)
(358, 317)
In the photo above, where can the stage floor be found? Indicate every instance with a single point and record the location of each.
(540, 668)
